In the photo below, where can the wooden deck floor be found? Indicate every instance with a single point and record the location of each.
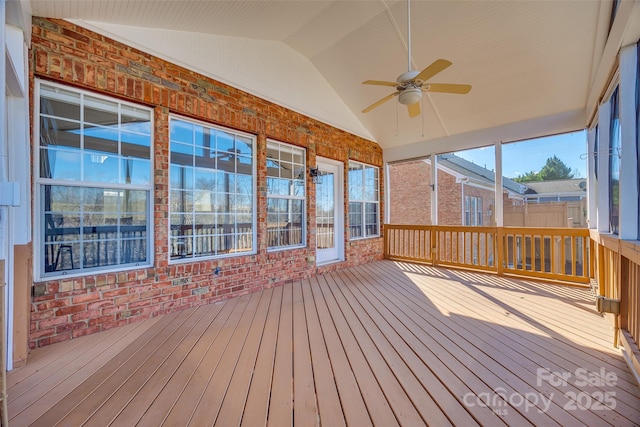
(385, 344)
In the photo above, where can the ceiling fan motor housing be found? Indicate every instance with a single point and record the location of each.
(408, 76)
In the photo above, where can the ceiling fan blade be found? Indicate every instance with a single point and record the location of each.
(414, 109)
(379, 83)
(447, 88)
(381, 101)
(433, 69)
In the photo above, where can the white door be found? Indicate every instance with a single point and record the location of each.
(329, 212)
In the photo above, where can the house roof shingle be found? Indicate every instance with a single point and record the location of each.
(472, 170)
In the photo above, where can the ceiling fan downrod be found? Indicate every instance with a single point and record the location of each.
(409, 35)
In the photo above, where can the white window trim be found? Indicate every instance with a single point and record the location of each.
(473, 210)
(364, 202)
(303, 242)
(38, 232)
(254, 222)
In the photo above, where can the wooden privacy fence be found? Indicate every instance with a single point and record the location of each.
(548, 253)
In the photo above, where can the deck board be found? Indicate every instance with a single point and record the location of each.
(385, 343)
(181, 379)
(354, 408)
(304, 390)
(156, 381)
(382, 337)
(433, 374)
(406, 413)
(378, 407)
(280, 403)
(533, 330)
(232, 409)
(329, 406)
(626, 393)
(169, 355)
(260, 388)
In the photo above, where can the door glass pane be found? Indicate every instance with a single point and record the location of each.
(325, 213)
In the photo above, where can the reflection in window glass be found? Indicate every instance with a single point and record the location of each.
(364, 206)
(286, 169)
(211, 191)
(615, 144)
(94, 182)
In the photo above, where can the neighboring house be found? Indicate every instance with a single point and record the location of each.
(466, 196)
(465, 192)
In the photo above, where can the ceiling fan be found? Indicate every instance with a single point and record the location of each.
(410, 85)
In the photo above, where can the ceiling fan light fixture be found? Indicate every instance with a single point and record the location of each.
(410, 96)
(410, 85)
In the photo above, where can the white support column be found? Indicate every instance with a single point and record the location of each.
(604, 116)
(434, 188)
(499, 205)
(629, 159)
(592, 194)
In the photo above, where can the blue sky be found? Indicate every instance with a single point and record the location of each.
(531, 155)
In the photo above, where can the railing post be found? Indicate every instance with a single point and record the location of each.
(600, 270)
(385, 241)
(500, 259)
(434, 246)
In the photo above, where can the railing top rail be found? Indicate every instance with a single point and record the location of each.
(440, 227)
(547, 231)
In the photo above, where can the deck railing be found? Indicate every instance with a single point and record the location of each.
(562, 254)
(617, 269)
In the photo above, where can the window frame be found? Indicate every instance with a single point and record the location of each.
(254, 213)
(363, 202)
(39, 267)
(277, 145)
(473, 210)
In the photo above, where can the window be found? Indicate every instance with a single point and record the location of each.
(472, 210)
(211, 200)
(94, 182)
(615, 144)
(638, 130)
(285, 195)
(364, 206)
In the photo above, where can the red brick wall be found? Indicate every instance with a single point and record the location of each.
(410, 193)
(67, 308)
(449, 200)
(410, 196)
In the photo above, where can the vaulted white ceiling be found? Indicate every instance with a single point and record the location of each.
(536, 67)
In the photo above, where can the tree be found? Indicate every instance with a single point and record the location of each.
(553, 169)
(528, 177)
